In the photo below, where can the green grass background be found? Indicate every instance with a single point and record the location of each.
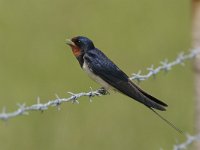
(34, 61)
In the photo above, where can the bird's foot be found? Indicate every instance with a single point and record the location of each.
(103, 91)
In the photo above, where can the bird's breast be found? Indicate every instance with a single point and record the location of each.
(94, 76)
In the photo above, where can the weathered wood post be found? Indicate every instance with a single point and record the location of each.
(196, 44)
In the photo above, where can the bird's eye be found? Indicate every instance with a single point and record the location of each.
(78, 42)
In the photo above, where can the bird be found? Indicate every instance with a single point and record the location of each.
(105, 72)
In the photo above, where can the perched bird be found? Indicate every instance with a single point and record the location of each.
(102, 70)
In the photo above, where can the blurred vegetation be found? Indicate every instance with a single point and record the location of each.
(34, 61)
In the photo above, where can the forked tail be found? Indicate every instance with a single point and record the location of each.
(166, 121)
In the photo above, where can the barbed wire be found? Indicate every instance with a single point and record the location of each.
(24, 110)
(190, 140)
(164, 66)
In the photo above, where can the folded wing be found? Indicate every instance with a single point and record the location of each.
(110, 73)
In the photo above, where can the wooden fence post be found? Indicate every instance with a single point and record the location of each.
(196, 44)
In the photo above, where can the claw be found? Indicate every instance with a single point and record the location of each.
(103, 91)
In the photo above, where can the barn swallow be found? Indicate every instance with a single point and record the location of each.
(102, 70)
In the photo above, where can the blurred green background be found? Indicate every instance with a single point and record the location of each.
(34, 61)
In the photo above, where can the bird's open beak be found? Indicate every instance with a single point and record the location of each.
(69, 42)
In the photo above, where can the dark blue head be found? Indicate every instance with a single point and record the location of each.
(83, 43)
(80, 45)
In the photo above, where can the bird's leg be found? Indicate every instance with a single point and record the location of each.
(103, 91)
